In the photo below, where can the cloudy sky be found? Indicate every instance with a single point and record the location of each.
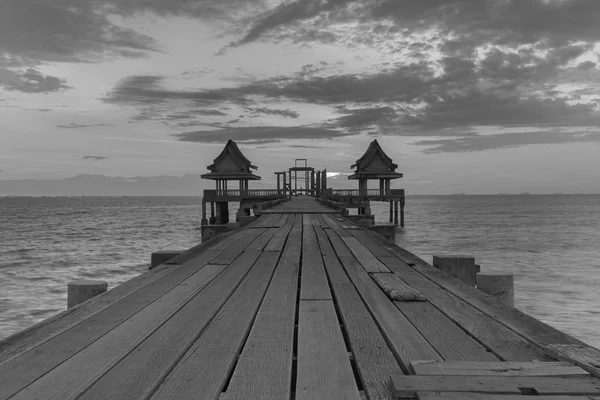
(466, 96)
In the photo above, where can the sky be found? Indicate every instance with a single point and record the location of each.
(465, 96)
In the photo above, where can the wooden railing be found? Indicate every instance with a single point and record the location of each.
(243, 193)
(369, 193)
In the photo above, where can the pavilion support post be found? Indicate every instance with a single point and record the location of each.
(278, 185)
(402, 212)
(324, 187)
(395, 212)
(212, 212)
(391, 211)
(204, 221)
(500, 285)
(312, 183)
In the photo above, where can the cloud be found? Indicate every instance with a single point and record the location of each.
(30, 81)
(95, 158)
(259, 133)
(65, 30)
(284, 113)
(73, 125)
(500, 141)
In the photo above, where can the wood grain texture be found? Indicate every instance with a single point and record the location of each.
(525, 325)
(231, 238)
(141, 371)
(501, 341)
(402, 337)
(584, 356)
(276, 243)
(496, 368)
(374, 359)
(29, 365)
(484, 396)
(47, 329)
(451, 342)
(324, 370)
(213, 243)
(369, 262)
(265, 220)
(374, 247)
(204, 369)
(314, 284)
(264, 369)
(262, 240)
(395, 288)
(234, 250)
(409, 385)
(73, 376)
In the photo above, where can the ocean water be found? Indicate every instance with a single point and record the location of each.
(550, 243)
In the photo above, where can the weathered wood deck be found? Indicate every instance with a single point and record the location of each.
(301, 304)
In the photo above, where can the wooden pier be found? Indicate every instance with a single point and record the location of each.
(300, 304)
(300, 180)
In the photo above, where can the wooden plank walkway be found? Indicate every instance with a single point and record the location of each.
(301, 304)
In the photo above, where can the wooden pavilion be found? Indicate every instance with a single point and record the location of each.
(375, 164)
(230, 165)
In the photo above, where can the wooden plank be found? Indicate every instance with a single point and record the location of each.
(234, 250)
(374, 359)
(374, 247)
(262, 240)
(207, 245)
(205, 367)
(297, 220)
(484, 396)
(47, 329)
(324, 245)
(314, 284)
(324, 370)
(278, 240)
(525, 325)
(450, 341)
(28, 366)
(407, 386)
(282, 220)
(314, 220)
(585, 357)
(501, 341)
(84, 366)
(496, 368)
(322, 222)
(139, 373)
(234, 237)
(332, 223)
(264, 370)
(395, 288)
(402, 337)
(306, 220)
(369, 262)
(264, 221)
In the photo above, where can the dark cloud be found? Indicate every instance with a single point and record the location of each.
(95, 158)
(284, 113)
(73, 125)
(30, 81)
(64, 30)
(499, 141)
(262, 133)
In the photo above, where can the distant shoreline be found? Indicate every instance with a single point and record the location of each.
(408, 195)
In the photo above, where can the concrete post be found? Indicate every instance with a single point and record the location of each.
(391, 211)
(402, 212)
(162, 256)
(498, 284)
(84, 289)
(395, 213)
(459, 266)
